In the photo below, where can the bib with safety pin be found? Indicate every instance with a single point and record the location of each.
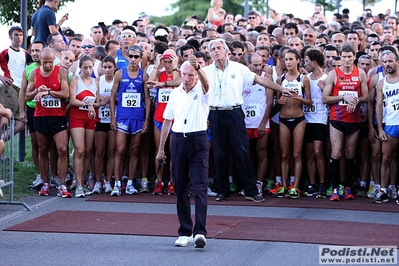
(163, 95)
(252, 110)
(344, 93)
(86, 101)
(131, 99)
(309, 109)
(50, 102)
(104, 111)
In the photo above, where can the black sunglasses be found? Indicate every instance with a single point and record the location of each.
(133, 55)
(87, 46)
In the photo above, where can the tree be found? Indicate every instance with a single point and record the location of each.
(10, 10)
(188, 8)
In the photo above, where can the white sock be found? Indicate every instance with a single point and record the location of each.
(292, 179)
(363, 183)
(278, 179)
(129, 182)
(372, 183)
(384, 189)
(231, 178)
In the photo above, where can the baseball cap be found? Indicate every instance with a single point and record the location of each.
(160, 32)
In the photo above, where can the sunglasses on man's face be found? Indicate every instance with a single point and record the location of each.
(135, 56)
(87, 46)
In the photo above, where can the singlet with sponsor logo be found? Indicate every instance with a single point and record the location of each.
(162, 97)
(346, 84)
(49, 105)
(105, 88)
(391, 95)
(131, 102)
(84, 93)
(318, 112)
(254, 107)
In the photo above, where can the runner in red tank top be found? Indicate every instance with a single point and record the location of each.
(345, 88)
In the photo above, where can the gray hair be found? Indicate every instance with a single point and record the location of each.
(135, 48)
(218, 40)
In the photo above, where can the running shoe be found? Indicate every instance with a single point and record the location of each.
(63, 192)
(371, 191)
(255, 198)
(211, 193)
(322, 192)
(233, 188)
(130, 189)
(311, 191)
(144, 186)
(158, 189)
(97, 188)
(381, 197)
(91, 182)
(348, 194)
(79, 192)
(329, 190)
(37, 184)
(107, 187)
(73, 185)
(341, 189)
(361, 191)
(45, 190)
(54, 181)
(124, 182)
(241, 193)
(171, 189)
(116, 191)
(276, 188)
(375, 191)
(259, 185)
(392, 193)
(282, 192)
(293, 193)
(269, 184)
(291, 185)
(335, 195)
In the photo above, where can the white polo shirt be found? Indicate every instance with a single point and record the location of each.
(226, 87)
(189, 110)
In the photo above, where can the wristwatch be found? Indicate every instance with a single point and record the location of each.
(198, 67)
(48, 92)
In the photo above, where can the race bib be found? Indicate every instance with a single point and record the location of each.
(153, 94)
(309, 109)
(342, 93)
(104, 111)
(86, 101)
(252, 110)
(50, 102)
(131, 99)
(163, 95)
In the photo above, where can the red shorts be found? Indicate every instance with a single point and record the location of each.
(87, 123)
(253, 132)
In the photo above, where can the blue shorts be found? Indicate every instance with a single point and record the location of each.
(392, 131)
(159, 126)
(129, 126)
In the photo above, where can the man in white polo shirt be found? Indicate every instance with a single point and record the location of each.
(188, 107)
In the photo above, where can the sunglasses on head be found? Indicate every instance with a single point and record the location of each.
(133, 55)
(87, 46)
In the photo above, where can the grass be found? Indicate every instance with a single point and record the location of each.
(24, 173)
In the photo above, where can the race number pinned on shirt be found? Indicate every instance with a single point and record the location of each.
(309, 109)
(86, 101)
(252, 110)
(131, 99)
(163, 95)
(50, 102)
(104, 111)
(344, 93)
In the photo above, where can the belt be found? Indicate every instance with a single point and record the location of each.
(224, 108)
(191, 134)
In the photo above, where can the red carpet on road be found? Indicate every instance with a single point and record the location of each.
(219, 227)
(359, 204)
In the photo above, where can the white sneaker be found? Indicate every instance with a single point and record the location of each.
(241, 193)
(79, 192)
(130, 189)
(54, 181)
(184, 241)
(144, 187)
(116, 191)
(199, 241)
(211, 193)
(97, 188)
(107, 187)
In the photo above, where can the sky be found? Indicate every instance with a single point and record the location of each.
(83, 14)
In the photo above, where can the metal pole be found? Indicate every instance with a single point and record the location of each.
(246, 8)
(24, 25)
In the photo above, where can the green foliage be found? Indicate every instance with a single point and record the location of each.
(188, 8)
(10, 10)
